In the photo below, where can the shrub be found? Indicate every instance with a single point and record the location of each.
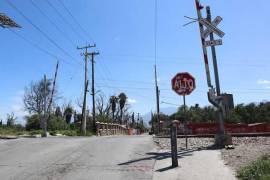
(57, 123)
(258, 170)
(33, 122)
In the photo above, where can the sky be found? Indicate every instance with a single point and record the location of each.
(124, 34)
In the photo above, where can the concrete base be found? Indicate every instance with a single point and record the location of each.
(222, 140)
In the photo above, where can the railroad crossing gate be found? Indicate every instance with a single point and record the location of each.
(183, 83)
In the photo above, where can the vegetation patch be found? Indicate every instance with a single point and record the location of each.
(258, 170)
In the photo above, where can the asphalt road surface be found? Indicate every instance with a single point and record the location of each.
(94, 158)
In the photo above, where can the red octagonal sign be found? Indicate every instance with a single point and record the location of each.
(183, 83)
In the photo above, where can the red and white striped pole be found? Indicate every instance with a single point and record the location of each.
(199, 7)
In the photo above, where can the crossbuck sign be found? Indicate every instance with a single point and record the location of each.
(212, 27)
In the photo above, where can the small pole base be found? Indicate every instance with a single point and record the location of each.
(222, 140)
(174, 144)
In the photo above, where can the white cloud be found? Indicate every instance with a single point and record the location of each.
(263, 82)
(132, 101)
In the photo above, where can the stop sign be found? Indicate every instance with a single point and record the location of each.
(183, 83)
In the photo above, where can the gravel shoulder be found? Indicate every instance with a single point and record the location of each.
(246, 149)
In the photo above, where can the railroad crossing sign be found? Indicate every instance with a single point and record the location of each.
(212, 27)
(213, 43)
(183, 83)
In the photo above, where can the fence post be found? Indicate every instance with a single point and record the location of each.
(98, 133)
(107, 133)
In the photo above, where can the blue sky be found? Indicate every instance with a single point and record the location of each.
(124, 33)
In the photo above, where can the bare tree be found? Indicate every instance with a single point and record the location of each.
(102, 106)
(34, 96)
(11, 119)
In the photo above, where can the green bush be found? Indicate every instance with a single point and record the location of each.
(258, 170)
(33, 122)
(35, 132)
(57, 123)
(12, 130)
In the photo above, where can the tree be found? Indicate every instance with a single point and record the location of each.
(122, 101)
(35, 94)
(68, 111)
(33, 122)
(133, 120)
(11, 119)
(113, 102)
(58, 112)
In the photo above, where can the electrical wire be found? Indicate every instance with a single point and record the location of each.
(62, 17)
(37, 28)
(35, 45)
(51, 21)
(75, 20)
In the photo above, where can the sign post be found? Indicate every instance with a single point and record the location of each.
(183, 84)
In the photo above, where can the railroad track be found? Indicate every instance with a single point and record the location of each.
(213, 135)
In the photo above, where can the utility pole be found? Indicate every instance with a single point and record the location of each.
(84, 115)
(138, 118)
(44, 108)
(93, 54)
(157, 99)
(53, 90)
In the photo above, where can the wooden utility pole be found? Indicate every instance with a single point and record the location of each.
(44, 107)
(84, 115)
(93, 54)
(157, 99)
(53, 90)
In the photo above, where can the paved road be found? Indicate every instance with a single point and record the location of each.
(95, 158)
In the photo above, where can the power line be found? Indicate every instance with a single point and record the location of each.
(54, 24)
(143, 59)
(155, 33)
(62, 17)
(40, 48)
(200, 91)
(74, 19)
(37, 28)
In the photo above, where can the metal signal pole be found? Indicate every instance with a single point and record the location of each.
(84, 115)
(214, 56)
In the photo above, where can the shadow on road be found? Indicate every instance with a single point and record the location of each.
(161, 156)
